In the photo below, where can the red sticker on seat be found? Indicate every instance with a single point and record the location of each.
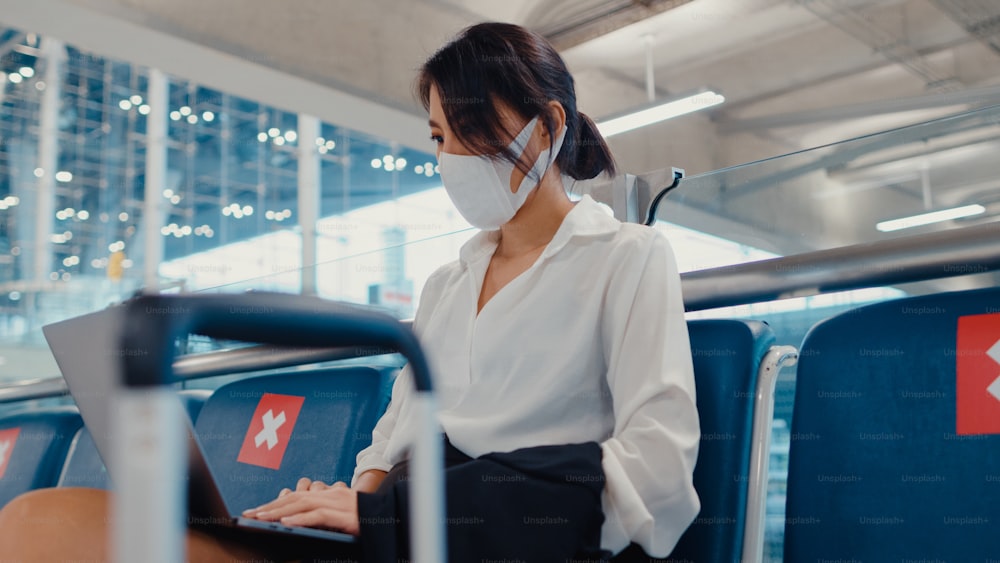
(8, 438)
(270, 429)
(977, 375)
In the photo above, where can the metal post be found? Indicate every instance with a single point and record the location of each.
(650, 81)
(925, 187)
(345, 172)
(150, 463)
(156, 176)
(48, 157)
(624, 198)
(309, 200)
(428, 526)
(776, 358)
(225, 141)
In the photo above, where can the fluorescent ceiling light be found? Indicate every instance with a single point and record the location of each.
(932, 217)
(659, 112)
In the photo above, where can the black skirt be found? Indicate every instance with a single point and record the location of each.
(537, 504)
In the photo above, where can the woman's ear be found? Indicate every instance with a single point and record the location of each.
(558, 113)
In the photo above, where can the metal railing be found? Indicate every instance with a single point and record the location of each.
(915, 258)
(943, 254)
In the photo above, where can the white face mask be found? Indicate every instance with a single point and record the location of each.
(479, 186)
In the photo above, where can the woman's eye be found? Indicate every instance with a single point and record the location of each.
(437, 139)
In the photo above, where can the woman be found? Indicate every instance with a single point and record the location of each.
(557, 342)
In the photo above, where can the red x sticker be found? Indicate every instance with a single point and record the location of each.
(977, 373)
(270, 429)
(7, 440)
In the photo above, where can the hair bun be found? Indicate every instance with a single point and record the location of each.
(592, 155)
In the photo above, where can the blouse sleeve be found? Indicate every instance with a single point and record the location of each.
(649, 496)
(374, 456)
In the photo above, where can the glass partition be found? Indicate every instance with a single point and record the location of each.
(872, 188)
(924, 178)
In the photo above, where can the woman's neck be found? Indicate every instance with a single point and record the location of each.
(537, 221)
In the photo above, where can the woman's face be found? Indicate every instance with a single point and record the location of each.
(446, 141)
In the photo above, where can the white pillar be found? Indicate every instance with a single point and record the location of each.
(309, 197)
(158, 96)
(54, 53)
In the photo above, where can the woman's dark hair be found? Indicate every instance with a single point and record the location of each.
(498, 62)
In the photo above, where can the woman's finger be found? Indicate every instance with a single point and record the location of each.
(286, 506)
(284, 498)
(252, 512)
(324, 517)
(303, 484)
(317, 486)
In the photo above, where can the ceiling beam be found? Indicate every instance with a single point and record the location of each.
(981, 96)
(852, 20)
(586, 25)
(985, 27)
(734, 106)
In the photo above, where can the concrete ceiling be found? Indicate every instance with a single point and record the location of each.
(796, 74)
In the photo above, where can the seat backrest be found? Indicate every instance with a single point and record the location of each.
(193, 400)
(33, 446)
(727, 354)
(84, 466)
(895, 449)
(262, 434)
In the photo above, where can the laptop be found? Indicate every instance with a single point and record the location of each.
(86, 348)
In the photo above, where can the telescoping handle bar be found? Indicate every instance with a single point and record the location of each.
(152, 323)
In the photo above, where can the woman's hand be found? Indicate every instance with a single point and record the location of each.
(313, 504)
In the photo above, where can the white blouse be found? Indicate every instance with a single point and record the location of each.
(588, 344)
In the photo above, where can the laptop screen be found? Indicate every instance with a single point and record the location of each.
(87, 350)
